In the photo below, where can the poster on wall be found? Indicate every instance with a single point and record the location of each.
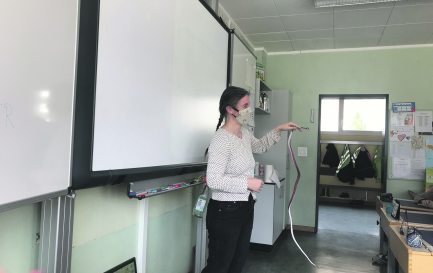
(402, 127)
(403, 107)
(412, 167)
(423, 121)
(407, 148)
(428, 151)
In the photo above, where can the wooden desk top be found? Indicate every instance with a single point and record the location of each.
(387, 220)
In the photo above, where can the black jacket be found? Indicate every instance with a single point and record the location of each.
(363, 164)
(331, 157)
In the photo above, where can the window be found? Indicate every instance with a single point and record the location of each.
(346, 114)
(329, 115)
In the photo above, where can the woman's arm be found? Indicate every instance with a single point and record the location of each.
(263, 144)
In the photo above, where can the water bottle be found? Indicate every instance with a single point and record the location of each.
(200, 206)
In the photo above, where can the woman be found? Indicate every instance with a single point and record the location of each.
(230, 176)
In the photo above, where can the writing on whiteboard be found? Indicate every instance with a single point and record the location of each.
(6, 116)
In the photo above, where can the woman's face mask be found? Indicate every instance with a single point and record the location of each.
(245, 116)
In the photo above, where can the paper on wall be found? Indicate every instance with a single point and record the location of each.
(429, 151)
(402, 119)
(401, 167)
(423, 121)
(401, 149)
(417, 173)
(418, 159)
(402, 127)
(401, 134)
(418, 164)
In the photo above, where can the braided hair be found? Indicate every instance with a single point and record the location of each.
(230, 97)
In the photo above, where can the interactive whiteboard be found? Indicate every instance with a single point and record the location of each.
(161, 69)
(37, 72)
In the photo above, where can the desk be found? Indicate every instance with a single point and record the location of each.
(419, 219)
(404, 204)
(411, 260)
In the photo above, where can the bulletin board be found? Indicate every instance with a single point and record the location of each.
(409, 135)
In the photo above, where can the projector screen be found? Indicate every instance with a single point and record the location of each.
(161, 68)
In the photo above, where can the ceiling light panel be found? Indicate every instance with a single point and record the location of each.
(338, 3)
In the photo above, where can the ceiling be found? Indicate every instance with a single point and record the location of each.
(289, 25)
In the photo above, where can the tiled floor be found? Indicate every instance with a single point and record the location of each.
(346, 241)
(353, 219)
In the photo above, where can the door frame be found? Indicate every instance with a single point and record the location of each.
(384, 167)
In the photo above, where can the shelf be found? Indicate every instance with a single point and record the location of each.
(264, 86)
(161, 190)
(357, 202)
(328, 171)
(348, 186)
(262, 111)
(350, 142)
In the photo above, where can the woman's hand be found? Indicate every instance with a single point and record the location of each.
(288, 127)
(255, 184)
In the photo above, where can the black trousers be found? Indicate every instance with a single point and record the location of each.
(229, 226)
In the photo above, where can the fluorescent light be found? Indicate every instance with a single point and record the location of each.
(337, 3)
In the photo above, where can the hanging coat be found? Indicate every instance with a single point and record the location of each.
(363, 165)
(377, 163)
(331, 157)
(345, 171)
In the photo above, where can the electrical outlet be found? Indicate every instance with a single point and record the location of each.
(302, 151)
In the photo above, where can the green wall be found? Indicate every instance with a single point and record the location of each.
(18, 246)
(406, 74)
(171, 232)
(105, 229)
(105, 232)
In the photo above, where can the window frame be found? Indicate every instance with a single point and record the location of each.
(341, 99)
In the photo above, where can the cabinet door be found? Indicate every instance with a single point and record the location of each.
(263, 216)
(279, 211)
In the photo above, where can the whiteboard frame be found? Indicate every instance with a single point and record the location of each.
(57, 118)
(82, 174)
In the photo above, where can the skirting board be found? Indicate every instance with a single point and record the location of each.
(302, 228)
